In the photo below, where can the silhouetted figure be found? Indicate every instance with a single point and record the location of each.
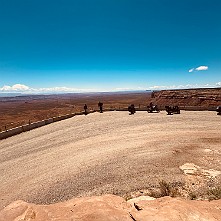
(85, 109)
(100, 105)
(153, 108)
(176, 110)
(169, 110)
(172, 110)
(132, 109)
(129, 109)
(218, 109)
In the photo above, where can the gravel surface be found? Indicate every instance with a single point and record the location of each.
(113, 152)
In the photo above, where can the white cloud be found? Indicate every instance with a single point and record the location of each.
(26, 89)
(61, 90)
(15, 87)
(200, 68)
(161, 87)
(21, 88)
(5, 88)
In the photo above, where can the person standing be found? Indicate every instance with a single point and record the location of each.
(132, 109)
(85, 109)
(100, 105)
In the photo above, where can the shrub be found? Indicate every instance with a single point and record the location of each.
(216, 192)
(165, 188)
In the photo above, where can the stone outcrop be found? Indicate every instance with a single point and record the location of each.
(202, 97)
(113, 208)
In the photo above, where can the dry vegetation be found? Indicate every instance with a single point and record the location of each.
(205, 191)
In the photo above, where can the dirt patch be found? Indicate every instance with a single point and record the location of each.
(211, 140)
(112, 152)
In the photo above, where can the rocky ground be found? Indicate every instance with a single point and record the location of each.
(116, 153)
(114, 208)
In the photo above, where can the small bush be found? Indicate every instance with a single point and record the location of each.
(165, 188)
(216, 192)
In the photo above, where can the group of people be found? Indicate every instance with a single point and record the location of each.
(154, 109)
(100, 105)
(151, 108)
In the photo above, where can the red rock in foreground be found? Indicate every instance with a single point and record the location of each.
(113, 208)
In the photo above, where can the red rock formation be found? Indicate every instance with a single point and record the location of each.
(113, 208)
(203, 97)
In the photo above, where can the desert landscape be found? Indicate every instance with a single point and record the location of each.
(20, 110)
(110, 110)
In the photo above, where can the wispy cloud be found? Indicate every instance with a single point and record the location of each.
(26, 89)
(161, 87)
(21, 88)
(128, 89)
(200, 68)
(191, 70)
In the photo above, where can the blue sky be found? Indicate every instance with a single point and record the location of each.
(105, 45)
